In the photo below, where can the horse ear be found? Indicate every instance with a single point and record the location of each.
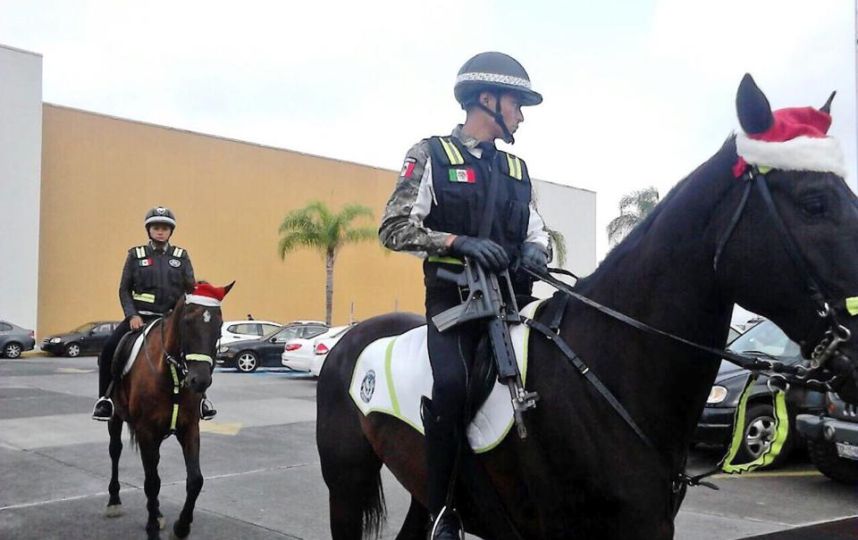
(827, 107)
(227, 288)
(752, 107)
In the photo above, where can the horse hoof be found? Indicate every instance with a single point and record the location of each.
(162, 522)
(113, 510)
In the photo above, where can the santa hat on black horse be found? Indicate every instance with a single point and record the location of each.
(206, 294)
(793, 139)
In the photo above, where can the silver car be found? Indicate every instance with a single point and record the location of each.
(14, 340)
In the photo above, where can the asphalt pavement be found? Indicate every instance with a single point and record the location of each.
(262, 476)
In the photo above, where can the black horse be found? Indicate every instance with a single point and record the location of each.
(583, 472)
(161, 396)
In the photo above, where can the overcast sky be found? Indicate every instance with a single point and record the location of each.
(637, 92)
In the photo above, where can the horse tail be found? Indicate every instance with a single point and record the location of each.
(350, 467)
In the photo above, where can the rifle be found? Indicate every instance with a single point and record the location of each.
(486, 301)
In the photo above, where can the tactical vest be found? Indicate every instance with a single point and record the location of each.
(462, 183)
(158, 278)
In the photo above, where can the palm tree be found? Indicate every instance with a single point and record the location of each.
(558, 241)
(315, 226)
(634, 207)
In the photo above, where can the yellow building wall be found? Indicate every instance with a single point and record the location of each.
(101, 174)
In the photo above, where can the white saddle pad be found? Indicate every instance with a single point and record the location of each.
(392, 374)
(135, 350)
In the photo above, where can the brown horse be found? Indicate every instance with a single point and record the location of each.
(160, 396)
(786, 241)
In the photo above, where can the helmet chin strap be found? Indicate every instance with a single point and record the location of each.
(498, 116)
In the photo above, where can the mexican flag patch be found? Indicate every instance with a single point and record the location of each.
(463, 175)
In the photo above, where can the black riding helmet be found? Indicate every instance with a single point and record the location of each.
(497, 73)
(160, 215)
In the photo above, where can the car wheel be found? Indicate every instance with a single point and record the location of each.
(823, 454)
(72, 350)
(12, 350)
(246, 362)
(759, 432)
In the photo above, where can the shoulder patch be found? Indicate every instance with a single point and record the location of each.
(178, 252)
(139, 252)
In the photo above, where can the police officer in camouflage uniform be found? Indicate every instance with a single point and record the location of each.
(153, 279)
(439, 211)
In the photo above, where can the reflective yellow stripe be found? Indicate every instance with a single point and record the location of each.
(149, 298)
(141, 252)
(199, 358)
(177, 252)
(447, 260)
(175, 391)
(452, 152)
(852, 305)
(514, 166)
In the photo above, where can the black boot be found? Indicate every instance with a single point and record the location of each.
(207, 410)
(441, 449)
(103, 410)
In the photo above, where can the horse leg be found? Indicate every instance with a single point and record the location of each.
(190, 440)
(150, 453)
(114, 504)
(414, 527)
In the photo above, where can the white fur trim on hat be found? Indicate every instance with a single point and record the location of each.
(202, 300)
(820, 154)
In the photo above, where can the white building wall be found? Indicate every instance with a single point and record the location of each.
(20, 184)
(572, 212)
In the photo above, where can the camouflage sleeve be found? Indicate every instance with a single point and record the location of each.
(402, 227)
(126, 286)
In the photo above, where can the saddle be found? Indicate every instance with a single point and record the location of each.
(128, 347)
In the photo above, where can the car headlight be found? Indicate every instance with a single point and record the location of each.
(223, 350)
(716, 395)
(55, 340)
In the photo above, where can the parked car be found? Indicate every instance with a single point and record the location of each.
(239, 330)
(715, 426)
(832, 439)
(14, 340)
(250, 354)
(87, 339)
(308, 354)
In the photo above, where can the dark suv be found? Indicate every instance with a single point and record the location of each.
(86, 339)
(832, 439)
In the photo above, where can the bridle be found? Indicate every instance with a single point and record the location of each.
(836, 333)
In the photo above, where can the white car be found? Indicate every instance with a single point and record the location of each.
(308, 355)
(238, 330)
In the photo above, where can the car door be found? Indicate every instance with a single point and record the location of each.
(274, 345)
(97, 338)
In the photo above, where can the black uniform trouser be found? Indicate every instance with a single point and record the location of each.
(451, 355)
(105, 358)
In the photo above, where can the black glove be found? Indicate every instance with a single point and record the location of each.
(534, 257)
(486, 253)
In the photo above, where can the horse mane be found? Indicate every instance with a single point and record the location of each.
(615, 259)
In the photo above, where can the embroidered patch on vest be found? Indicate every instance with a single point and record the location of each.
(367, 386)
(467, 176)
(175, 263)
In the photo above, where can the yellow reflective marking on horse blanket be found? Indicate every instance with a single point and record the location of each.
(852, 305)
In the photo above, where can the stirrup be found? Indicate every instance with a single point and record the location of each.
(206, 404)
(99, 402)
(442, 514)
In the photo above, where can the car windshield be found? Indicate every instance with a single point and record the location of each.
(766, 339)
(85, 328)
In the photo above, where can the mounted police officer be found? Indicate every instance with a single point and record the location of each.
(154, 277)
(442, 209)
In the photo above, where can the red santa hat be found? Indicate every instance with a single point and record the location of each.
(206, 294)
(797, 140)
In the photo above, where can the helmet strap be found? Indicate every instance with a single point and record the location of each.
(498, 116)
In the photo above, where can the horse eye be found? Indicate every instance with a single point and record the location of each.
(813, 206)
